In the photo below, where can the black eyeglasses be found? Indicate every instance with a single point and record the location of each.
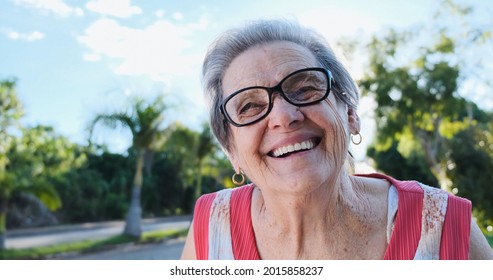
(301, 88)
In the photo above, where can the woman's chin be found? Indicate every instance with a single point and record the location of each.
(300, 182)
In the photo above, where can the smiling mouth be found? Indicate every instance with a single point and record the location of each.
(288, 150)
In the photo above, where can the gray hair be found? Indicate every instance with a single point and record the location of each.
(235, 41)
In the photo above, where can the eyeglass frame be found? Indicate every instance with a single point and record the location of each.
(274, 89)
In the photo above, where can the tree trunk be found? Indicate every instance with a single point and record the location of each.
(133, 220)
(3, 223)
(198, 187)
(430, 148)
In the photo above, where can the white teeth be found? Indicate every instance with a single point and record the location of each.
(305, 145)
(290, 148)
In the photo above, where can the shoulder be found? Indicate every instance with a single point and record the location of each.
(410, 186)
(479, 247)
(371, 185)
(240, 189)
(206, 201)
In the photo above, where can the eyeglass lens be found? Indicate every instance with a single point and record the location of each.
(299, 88)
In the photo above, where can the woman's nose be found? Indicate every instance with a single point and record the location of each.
(284, 114)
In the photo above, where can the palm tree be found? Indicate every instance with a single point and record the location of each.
(205, 147)
(196, 149)
(144, 122)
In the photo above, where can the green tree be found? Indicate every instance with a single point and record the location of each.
(145, 124)
(98, 190)
(117, 172)
(417, 86)
(200, 156)
(469, 167)
(176, 198)
(412, 167)
(37, 158)
(180, 148)
(417, 103)
(29, 157)
(10, 112)
(421, 114)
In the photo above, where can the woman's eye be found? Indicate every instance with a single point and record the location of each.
(305, 93)
(250, 108)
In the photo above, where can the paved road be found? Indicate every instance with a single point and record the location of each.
(29, 238)
(167, 250)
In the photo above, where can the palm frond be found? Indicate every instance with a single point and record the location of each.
(144, 120)
(44, 191)
(112, 121)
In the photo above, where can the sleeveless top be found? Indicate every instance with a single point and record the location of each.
(423, 223)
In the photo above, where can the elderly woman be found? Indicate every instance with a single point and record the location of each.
(284, 110)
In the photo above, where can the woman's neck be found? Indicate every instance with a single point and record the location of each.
(335, 212)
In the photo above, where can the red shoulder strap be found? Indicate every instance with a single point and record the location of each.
(454, 244)
(242, 235)
(201, 225)
(407, 227)
(456, 229)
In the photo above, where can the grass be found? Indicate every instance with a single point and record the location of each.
(160, 235)
(86, 246)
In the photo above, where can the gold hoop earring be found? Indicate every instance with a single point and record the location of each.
(235, 179)
(360, 138)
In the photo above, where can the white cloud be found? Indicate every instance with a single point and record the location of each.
(160, 50)
(57, 7)
(343, 23)
(30, 37)
(116, 8)
(91, 57)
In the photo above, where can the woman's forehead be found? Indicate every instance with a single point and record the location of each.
(266, 65)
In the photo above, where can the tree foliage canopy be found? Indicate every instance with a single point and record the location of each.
(424, 122)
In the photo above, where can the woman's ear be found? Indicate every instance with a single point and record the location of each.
(354, 121)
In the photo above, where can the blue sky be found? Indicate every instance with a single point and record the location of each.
(73, 59)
